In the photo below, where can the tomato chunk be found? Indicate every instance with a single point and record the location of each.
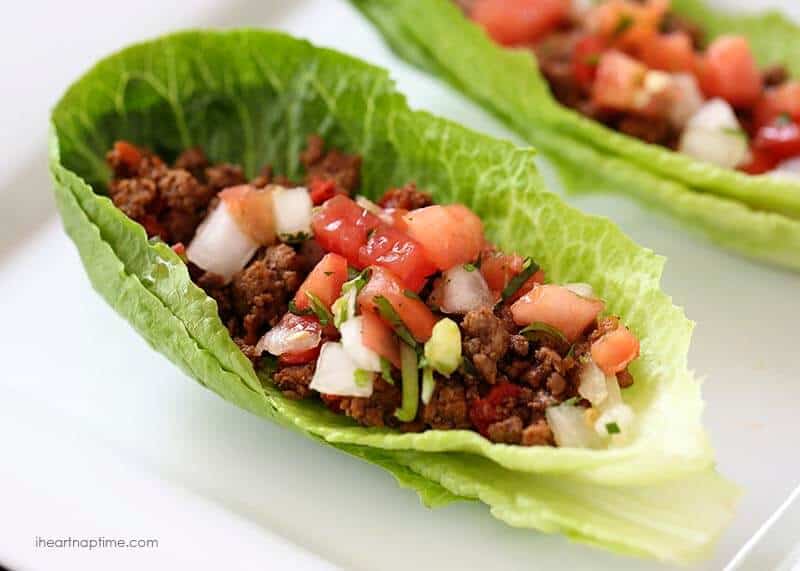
(779, 140)
(300, 357)
(499, 269)
(396, 251)
(483, 412)
(513, 22)
(778, 101)
(615, 350)
(558, 307)
(450, 235)
(415, 315)
(342, 226)
(619, 79)
(760, 162)
(585, 59)
(728, 70)
(669, 52)
(321, 190)
(379, 337)
(628, 24)
(325, 281)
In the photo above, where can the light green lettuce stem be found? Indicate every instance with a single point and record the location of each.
(252, 97)
(435, 35)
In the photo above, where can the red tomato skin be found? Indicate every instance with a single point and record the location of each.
(669, 52)
(129, 155)
(619, 78)
(301, 357)
(585, 58)
(483, 411)
(642, 20)
(777, 101)
(514, 22)
(760, 163)
(498, 269)
(321, 190)
(379, 337)
(729, 71)
(449, 235)
(342, 226)
(781, 141)
(416, 316)
(325, 281)
(396, 251)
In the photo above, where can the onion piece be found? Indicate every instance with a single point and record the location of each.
(713, 135)
(592, 383)
(336, 374)
(615, 422)
(581, 289)
(220, 245)
(292, 213)
(361, 355)
(464, 290)
(569, 427)
(292, 334)
(688, 99)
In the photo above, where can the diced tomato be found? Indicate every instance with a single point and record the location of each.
(253, 211)
(342, 226)
(777, 101)
(779, 140)
(379, 337)
(325, 281)
(179, 249)
(321, 190)
(513, 22)
(585, 59)
(284, 338)
(396, 251)
(628, 25)
(558, 307)
(415, 315)
(301, 357)
(619, 79)
(728, 70)
(450, 235)
(669, 52)
(615, 350)
(396, 217)
(760, 162)
(483, 412)
(128, 155)
(499, 269)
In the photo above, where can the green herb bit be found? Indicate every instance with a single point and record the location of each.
(319, 309)
(410, 293)
(389, 314)
(624, 24)
(408, 407)
(297, 311)
(783, 119)
(362, 378)
(542, 332)
(612, 428)
(735, 131)
(295, 238)
(529, 267)
(470, 267)
(592, 59)
(386, 370)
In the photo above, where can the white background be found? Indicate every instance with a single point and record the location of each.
(101, 436)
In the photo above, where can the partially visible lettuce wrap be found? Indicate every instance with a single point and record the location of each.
(252, 97)
(756, 216)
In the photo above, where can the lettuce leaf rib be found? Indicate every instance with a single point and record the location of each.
(252, 97)
(729, 207)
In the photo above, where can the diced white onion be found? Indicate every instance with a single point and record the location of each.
(352, 341)
(613, 394)
(336, 372)
(714, 135)
(592, 383)
(688, 100)
(569, 427)
(787, 169)
(280, 340)
(621, 415)
(464, 290)
(581, 289)
(219, 245)
(292, 211)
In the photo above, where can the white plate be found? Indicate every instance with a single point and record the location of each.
(83, 393)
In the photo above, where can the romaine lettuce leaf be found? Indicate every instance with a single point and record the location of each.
(436, 36)
(252, 97)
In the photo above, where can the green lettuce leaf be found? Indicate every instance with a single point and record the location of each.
(731, 209)
(252, 97)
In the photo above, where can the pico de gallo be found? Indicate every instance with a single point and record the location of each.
(645, 71)
(396, 313)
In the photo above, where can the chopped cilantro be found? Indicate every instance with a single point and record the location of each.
(624, 24)
(529, 267)
(362, 377)
(612, 428)
(389, 314)
(470, 267)
(319, 309)
(410, 293)
(386, 370)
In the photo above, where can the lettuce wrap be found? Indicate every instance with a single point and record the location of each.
(757, 216)
(251, 97)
